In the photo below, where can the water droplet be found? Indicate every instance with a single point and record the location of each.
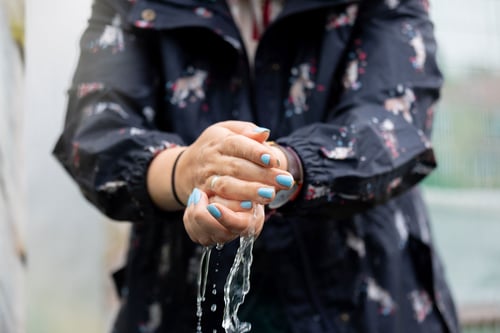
(213, 307)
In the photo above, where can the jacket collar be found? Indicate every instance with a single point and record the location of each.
(214, 15)
(186, 13)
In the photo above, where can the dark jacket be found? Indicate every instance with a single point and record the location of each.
(350, 86)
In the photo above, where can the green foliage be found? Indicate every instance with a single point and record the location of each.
(466, 134)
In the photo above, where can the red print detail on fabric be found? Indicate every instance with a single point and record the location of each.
(86, 88)
(143, 24)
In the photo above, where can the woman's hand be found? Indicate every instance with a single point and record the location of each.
(218, 220)
(230, 160)
(231, 169)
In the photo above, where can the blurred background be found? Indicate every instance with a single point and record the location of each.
(64, 285)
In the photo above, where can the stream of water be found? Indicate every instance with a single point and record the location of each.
(237, 283)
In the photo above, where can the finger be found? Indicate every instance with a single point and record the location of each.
(200, 225)
(242, 147)
(232, 188)
(241, 223)
(234, 205)
(250, 130)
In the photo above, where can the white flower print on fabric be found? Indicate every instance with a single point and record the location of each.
(158, 148)
(377, 294)
(316, 192)
(402, 102)
(149, 113)
(394, 184)
(338, 153)
(112, 187)
(203, 12)
(344, 142)
(392, 4)
(387, 131)
(342, 19)
(356, 243)
(401, 227)
(425, 140)
(188, 88)
(101, 107)
(301, 85)
(416, 41)
(133, 131)
(111, 38)
(421, 303)
(355, 67)
(154, 321)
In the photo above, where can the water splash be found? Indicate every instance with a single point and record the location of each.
(237, 286)
(202, 284)
(238, 281)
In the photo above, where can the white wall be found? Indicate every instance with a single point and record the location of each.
(65, 237)
(11, 198)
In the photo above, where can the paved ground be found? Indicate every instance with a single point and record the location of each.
(466, 224)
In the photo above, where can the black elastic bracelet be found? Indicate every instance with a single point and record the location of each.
(172, 180)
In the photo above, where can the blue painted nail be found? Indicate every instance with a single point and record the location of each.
(246, 204)
(285, 180)
(261, 130)
(196, 196)
(266, 159)
(266, 192)
(190, 199)
(212, 209)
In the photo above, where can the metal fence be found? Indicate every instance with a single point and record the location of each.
(483, 318)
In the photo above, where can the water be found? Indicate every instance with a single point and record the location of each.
(237, 283)
(238, 280)
(237, 286)
(202, 284)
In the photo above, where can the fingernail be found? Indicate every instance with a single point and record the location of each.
(285, 180)
(214, 211)
(261, 130)
(265, 192)
(196, 196)
(190, 199)
(246, 204)
(266, 159)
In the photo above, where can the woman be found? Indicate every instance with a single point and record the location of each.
(163, 114)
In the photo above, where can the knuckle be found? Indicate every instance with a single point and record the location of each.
(232, 167)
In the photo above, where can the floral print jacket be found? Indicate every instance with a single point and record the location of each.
(349, 85)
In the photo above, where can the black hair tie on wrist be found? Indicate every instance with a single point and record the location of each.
(172, 179)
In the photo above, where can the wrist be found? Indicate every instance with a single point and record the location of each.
(294, 167)
(159, 179)
(173, 180)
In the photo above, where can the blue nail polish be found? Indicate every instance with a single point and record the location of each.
(196, 196)
(246, 204)
(285, 180)
(265, 192)
(214, 211)
(266, 159)
(261, 130)
(190, 199)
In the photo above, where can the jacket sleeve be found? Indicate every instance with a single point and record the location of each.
(375, 141)
(110, 136)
